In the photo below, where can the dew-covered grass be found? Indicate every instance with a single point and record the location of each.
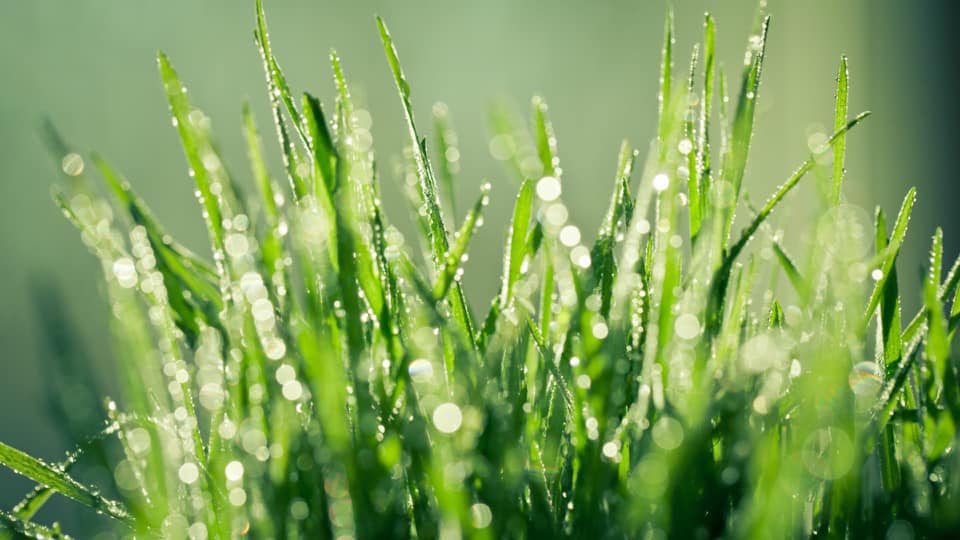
(684, 375)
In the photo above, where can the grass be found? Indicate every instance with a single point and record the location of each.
(320, 379)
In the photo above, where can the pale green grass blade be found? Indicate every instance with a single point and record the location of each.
(454, 260)
(839, 145)
(666, 76)
(447, 148)
(717, 295)
(258, 165)
(49, 476)
(686, 148)
(785, 188)
(516, 241)
(514, 252)
(193, 148)
(279, 90)
(735, 163)
(703, 168)
(546, 139)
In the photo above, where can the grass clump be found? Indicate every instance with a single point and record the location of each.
(319, 379)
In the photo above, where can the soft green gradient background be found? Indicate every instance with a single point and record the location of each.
(89, 66)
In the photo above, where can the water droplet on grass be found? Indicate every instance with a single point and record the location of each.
(447, 418)
(548, 188)
(72, 164)
(687, 326)
(188, 473)
(661, 182)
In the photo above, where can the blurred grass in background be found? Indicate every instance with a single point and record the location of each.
(89, 66)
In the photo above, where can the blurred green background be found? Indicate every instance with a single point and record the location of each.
(89, 66)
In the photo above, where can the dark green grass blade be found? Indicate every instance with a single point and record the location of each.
(47, 475)
(839, 145)
(11, 525)
(324, 153)
(427, 181)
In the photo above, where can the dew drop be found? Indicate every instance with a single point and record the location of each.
(687, 326)
(72, 164)
(661, 182)
(188, 473)
(447, 417)
(548, 188)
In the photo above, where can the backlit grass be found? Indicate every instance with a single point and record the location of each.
(683, 375)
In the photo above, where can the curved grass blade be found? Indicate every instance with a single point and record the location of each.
(58, 480)
(12, 525)
(427, 181)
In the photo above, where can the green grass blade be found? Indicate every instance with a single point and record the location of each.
(261, 175)
(516, 241)
(546, 139)
(938, 346)
(703, 165)
(324, 153)
(279, 89)
(51, 477)
(194, 148)
(785, 188)
(735, 163)
(892, 249)
(446, 142)
(11, 525)
(427, 181)
(839, 145)
(666, 76)
(793, 274)
(454, 259)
